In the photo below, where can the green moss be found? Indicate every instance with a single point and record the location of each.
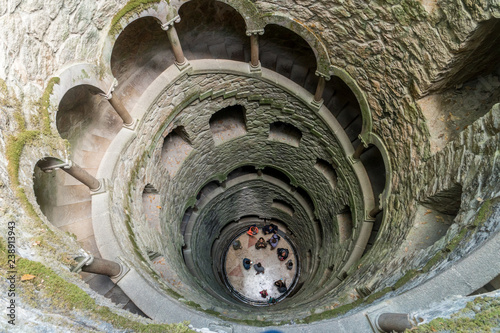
(485, 211)
(132, 7)
(14, 149)
(63, 296)
(485, 319)
(21, 124)
(433, 261)
(16, 143)
(124, 323)
(373, 297)
(334, 312)
(45, 102)
(452, 244)
(407, 277)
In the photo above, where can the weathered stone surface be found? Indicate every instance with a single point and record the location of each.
(394, 50)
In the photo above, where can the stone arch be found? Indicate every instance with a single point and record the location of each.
(360, 96)
(212, 29)
(322, 58)
(132, 11)
(82, 74)
(375, 140)
(245, 8)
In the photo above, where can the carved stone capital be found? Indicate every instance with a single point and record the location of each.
(323, 75)
(255, 32)
(109, 94)
(165, 26)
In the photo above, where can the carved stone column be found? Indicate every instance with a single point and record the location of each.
(254, 47)
(86, 178)
(254, 50)
(320, 88)
(103, 267)
(394, 322)
(359, 150)
(180, 60)
(118, 106)
(50, 164)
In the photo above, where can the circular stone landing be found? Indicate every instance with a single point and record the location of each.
(245, 284)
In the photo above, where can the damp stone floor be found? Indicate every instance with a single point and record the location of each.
(246, 282)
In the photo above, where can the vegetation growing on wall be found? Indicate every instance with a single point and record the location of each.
(23, 137)
(480, 315)
(43, 288)
(132, 7)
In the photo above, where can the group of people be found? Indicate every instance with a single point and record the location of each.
(262, 244)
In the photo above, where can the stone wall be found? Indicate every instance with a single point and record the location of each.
(397, 51)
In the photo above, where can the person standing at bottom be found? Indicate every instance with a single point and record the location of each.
(259, 268)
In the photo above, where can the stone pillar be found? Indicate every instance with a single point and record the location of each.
(374, 212)
(319, 89)
(359, 150)
(120, 109)
(394, 322)
(254, 50)
(83, 176)
(51, 164)
(180, 60)
(103, 267)
(118, 106)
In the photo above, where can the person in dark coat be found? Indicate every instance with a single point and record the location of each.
(273, 241)
(237, 245)
(282, 254)
(261, 244)
(270, 229)
(259, 268)
(281, 286)
(247, 263)
(289, 265)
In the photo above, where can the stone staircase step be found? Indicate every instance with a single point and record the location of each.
(71, 213)
(268, 60)
(67, 195)
(235, 52)
(218, 51)
(299, 74)
(284, 66)
(90, 246)
(81, 228)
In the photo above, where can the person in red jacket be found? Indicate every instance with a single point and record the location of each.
(253, 230)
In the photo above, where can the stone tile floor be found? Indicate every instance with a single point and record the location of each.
(246, 282)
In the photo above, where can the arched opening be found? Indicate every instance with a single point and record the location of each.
(152, 205)
(433, 218)
(228, 123)
(344, 106)
(210, 29)
(375, 168)
(241, 171)
(273, 172)
(176, 148)
(344, 220)
(140, 54)
(288, 54)
(86, 118)
(328, 171)
(283, 206)
(285, 133)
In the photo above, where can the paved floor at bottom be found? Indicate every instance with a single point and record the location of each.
(247, 282)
